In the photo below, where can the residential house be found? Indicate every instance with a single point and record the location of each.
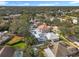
(4, 37)
(51, 36)
(39, 35)
(77, 10)
(7, 51)
(52, 18)
(42, 33)
(14, 16)
(72, 51)
(74, 20)
(62, 19)
(55, 29)
(48, 52)
(77, 43)
(18, 53)
(6, 18)
(43, 28)
(60, 49)
(73, 38)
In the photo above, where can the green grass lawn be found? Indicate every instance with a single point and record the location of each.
(19, 45)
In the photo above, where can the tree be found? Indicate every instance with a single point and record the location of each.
(14, 25)
(20, 26)
(24, 25)
(56, 21)
(40, 52)
(28, 52)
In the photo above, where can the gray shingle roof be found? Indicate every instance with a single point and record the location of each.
(7, 51)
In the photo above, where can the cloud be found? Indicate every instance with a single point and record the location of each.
(26, 4)
(47, 4)
(2, 3)
(18, 4)
(74, 2)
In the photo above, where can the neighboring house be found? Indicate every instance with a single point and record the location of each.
(56, 29)
(57, 50)
(7, 51)
(51, 36)
(18, 53)
(77, 43)
(77, 10)
(73, 38)
(62, 50)
(15, 15)
(74, 20)
(35, 51)
(62, 19)
(52, 18)
(72, 51)
(6, 18)
(48, 52)
(1, 33)
(4, 39)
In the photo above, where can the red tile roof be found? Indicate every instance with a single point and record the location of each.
(44, 26)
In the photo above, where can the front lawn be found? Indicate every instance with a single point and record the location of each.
(19, 45)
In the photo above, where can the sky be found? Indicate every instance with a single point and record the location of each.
(39, 3)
